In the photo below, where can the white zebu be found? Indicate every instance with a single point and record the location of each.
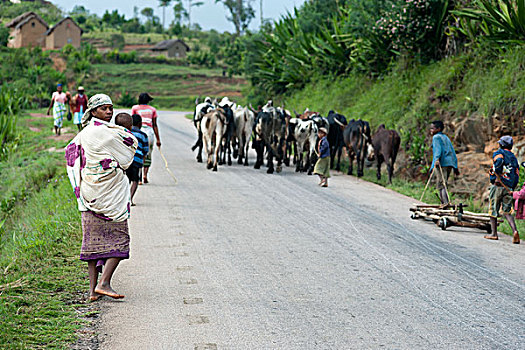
(306, 138)
(213, 125)
(244, 119)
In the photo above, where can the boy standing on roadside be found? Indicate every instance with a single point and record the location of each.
(444, 159)
(504, 176)
(322, 166)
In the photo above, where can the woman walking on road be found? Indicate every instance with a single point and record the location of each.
(149, 126)
(58, 103)
(96, 160)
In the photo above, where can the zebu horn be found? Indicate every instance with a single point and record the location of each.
(338, 122)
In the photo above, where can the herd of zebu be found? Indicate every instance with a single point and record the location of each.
(225, 129)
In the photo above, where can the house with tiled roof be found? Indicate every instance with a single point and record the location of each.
(64, 32)
(27, 30)
(30, 30)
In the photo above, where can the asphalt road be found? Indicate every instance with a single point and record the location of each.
(239, 259)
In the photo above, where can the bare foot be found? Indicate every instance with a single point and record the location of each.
(516, 238)
(492, 237)
(107, 290)
(95, 296)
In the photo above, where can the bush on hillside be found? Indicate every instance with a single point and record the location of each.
(4, 35)
(126, 100)
(203, 58)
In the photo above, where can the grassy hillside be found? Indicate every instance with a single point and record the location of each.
(174, 87)
(479, 84)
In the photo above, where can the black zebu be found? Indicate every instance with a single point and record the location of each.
(226, 146)
(357, 137)
(335, 137)
(384, 148)
(270, 136)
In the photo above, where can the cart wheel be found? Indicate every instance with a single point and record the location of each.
(443, 224)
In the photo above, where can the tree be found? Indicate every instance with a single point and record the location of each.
(179, 12)
(164, 4)
(191, 4)
(148, 13)
(241, 12)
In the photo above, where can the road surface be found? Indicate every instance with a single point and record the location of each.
(239, 259)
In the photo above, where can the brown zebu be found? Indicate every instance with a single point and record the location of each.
(213, 126)
(384, 148)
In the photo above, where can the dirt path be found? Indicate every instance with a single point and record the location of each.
(244, 260)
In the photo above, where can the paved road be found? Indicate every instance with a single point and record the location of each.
(244, 260)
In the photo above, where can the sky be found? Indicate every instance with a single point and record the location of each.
(208, 16)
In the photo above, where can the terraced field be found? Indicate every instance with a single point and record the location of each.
(174, 87)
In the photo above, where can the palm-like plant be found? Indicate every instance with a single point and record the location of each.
(502, 21)
(164, 4)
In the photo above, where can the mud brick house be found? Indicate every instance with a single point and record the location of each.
(30, 30)
(171, 48)
(64, 32)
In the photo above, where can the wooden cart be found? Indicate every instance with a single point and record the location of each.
(451, 215)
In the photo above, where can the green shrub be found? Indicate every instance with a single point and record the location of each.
(126, 99)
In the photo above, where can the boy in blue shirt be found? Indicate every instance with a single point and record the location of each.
(444, 159)
(133, 171)
(504, 177)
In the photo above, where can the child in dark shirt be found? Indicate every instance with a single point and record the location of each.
(133, 171)
(322, 166)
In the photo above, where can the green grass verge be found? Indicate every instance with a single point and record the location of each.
(41, 278)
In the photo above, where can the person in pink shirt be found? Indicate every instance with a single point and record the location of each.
(149, 126)
(59, 99)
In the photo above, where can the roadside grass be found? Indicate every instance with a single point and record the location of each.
(173, 87)
(42, 282)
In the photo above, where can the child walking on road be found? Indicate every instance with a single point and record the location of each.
(504, 176)
(133, 171)
(322, 166)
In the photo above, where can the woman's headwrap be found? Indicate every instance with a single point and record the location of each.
(93, 103)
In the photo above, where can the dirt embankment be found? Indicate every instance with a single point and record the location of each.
(475, 138)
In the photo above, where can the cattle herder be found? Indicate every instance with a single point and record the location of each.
(322, 166)
(444, 159)
(504, 177)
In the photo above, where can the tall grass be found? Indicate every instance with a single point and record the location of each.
(11, 102)
(42, 279)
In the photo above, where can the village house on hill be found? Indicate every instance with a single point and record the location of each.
(30, 30)
(64, 32)
(171, 48)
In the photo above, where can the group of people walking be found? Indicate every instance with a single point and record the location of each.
(503, 177)
(102, 161)
(65, 105)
